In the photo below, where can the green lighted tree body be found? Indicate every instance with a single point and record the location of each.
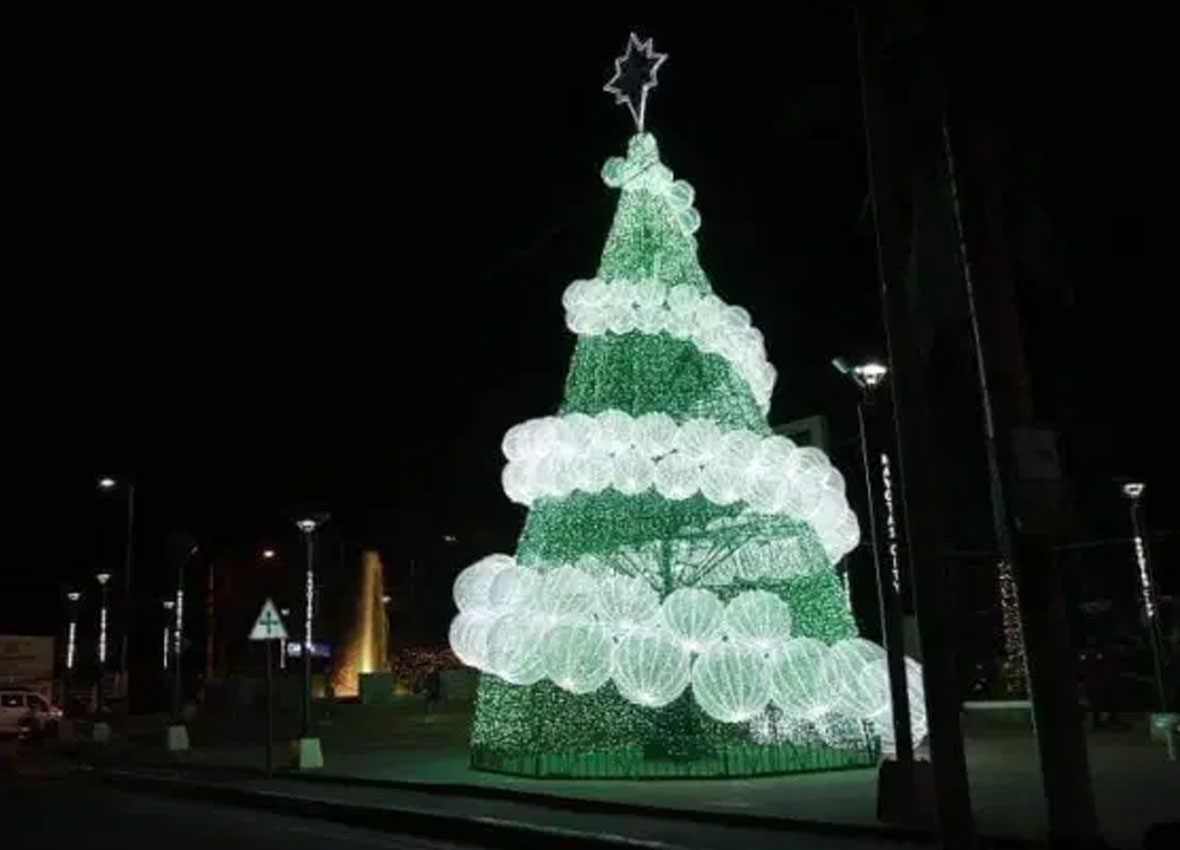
(689, 490)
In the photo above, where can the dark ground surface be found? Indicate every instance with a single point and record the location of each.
(80, 812)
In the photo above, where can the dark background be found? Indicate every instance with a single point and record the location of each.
(266, 267)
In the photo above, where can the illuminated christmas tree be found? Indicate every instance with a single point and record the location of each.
(672, 607)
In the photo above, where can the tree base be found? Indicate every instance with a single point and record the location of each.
(630, 762)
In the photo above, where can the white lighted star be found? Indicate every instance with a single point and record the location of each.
(635, 74)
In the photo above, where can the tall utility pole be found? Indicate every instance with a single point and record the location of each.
(899, 166)
(1022, 533)
(917, 84)
(128, 563)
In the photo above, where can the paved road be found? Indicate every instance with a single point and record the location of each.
(80, 813)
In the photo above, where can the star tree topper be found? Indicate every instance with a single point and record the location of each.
(635, 74)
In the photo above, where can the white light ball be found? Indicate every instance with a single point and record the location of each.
(677, 477)
(737, 449)
(729, 682)
(577, 656)
(720, 484)
(698, 439)
(683, 299)
(473, 585)
(833, 480)
(627, 603)
(654, 434)
(765, 491)
(593, 471)
(516, 479)
(797, 685)
(759, 619)
(649, 293)
(469, 638)
(615, 430)
(566, 591)
(841, 672)
(650, 320)
(514, 589)
(650, 668)
(633, 473)
(694, 617)
(514, 648)
(575, 295)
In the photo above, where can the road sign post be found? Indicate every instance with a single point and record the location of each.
(268, 628)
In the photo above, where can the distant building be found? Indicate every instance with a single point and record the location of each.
(809, 431)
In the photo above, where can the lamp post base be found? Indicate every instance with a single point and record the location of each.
(100, 732)
(908, 801)
(309, 754)
(176, 738)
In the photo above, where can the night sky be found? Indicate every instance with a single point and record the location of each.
(267, 267)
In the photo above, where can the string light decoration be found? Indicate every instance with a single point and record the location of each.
(671, 608)
(1012, 666)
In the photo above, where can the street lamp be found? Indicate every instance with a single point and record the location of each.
(1133, 491)
(310, 754)
(103, 578)
(108, 484)
(268, 554)
(868, 376)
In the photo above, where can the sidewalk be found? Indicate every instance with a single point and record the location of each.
(1134, 786)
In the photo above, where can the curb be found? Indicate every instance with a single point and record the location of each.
(585, 805)
(479, 831)
(475, 829)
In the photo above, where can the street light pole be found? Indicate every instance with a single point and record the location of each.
(178, 642)
(169, 604)
(100, 695)
(308, 526)
(128, 561)
(108, 483)
(310, 753)
(1134, 492)
(867, 377)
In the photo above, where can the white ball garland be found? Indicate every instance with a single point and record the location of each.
(555, 456)
(595, 307)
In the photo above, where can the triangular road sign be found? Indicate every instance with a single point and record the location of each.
(268, 626)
